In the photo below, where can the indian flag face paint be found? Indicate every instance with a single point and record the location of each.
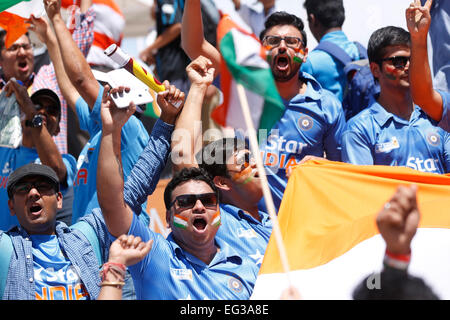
(299, 55)
(245, 176)
(216, 219)
(180, 221)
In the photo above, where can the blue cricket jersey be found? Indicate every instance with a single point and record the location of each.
(311, 125)
(170, 273)
(244, 233)
(378, 137)
(134, 139)
(10, 160)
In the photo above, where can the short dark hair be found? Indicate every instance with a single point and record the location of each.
(184, 175)
(213, 157)
(281, 18)
(385, 37)
(3, 38)
(330, 13)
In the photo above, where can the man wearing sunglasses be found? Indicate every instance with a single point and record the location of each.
(42, 259)
(42, 114)
(393, 130)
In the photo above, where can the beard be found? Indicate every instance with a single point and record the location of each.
(284, 69)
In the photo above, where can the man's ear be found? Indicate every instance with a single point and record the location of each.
(376, 70)
(222, 183)
(168, 217)
(59, 198)
(12, 212)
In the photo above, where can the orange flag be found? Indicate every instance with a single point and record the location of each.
(328, 214)
(14, 25)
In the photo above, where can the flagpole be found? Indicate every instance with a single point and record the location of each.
(265, 184)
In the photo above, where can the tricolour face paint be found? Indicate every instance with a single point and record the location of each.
(180, 221)
(245, 176)
(299, 56)
(216, 219)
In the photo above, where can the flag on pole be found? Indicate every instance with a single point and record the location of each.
(14, 13)
(244, 62)
(327, 220)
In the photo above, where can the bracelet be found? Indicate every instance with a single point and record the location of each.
(397, 261)
(117, 284)
(117, 269)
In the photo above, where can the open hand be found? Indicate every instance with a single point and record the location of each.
(113, 118)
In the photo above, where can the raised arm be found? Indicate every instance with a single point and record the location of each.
(110, 182)
(75, 64)
(193, 41)
(418, 20)
(187, 137)
(46, 35)
(40, 137)
(118, 216)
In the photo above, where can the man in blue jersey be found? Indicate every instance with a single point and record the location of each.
(325, 19)
(393, 130)
(192, 263)
(42, 259)
(42, 115)
(435, 103)
(313, 121)
(229, 163)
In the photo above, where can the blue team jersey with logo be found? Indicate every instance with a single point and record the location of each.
(170, 273)
(378, 137)
(134, 139)
(54, 275)
(244, 233)
(10, 160)
(311, 125)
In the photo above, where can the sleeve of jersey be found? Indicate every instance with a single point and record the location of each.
(90, 121)
(71, 166)
(145, 174)
(447, 152)
(138, 228)
(355, 148)
(333, 137)
(445, 120)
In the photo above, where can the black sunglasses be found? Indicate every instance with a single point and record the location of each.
(41, 186)
(399, 62)
(188, 201)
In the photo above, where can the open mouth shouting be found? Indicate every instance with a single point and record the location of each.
(199, 224)
(281, 62)
(35, 209)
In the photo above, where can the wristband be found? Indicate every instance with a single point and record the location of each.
(117, 269)
(397, 261)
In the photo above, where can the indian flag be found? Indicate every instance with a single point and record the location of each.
(327, 221)
(244, 62)
(216, 219)
(180, 222)
(14, 14)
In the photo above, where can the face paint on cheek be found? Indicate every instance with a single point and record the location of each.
(299, 56)
(216, 219)
(180, 221)
(243, 177)
(390, 72)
